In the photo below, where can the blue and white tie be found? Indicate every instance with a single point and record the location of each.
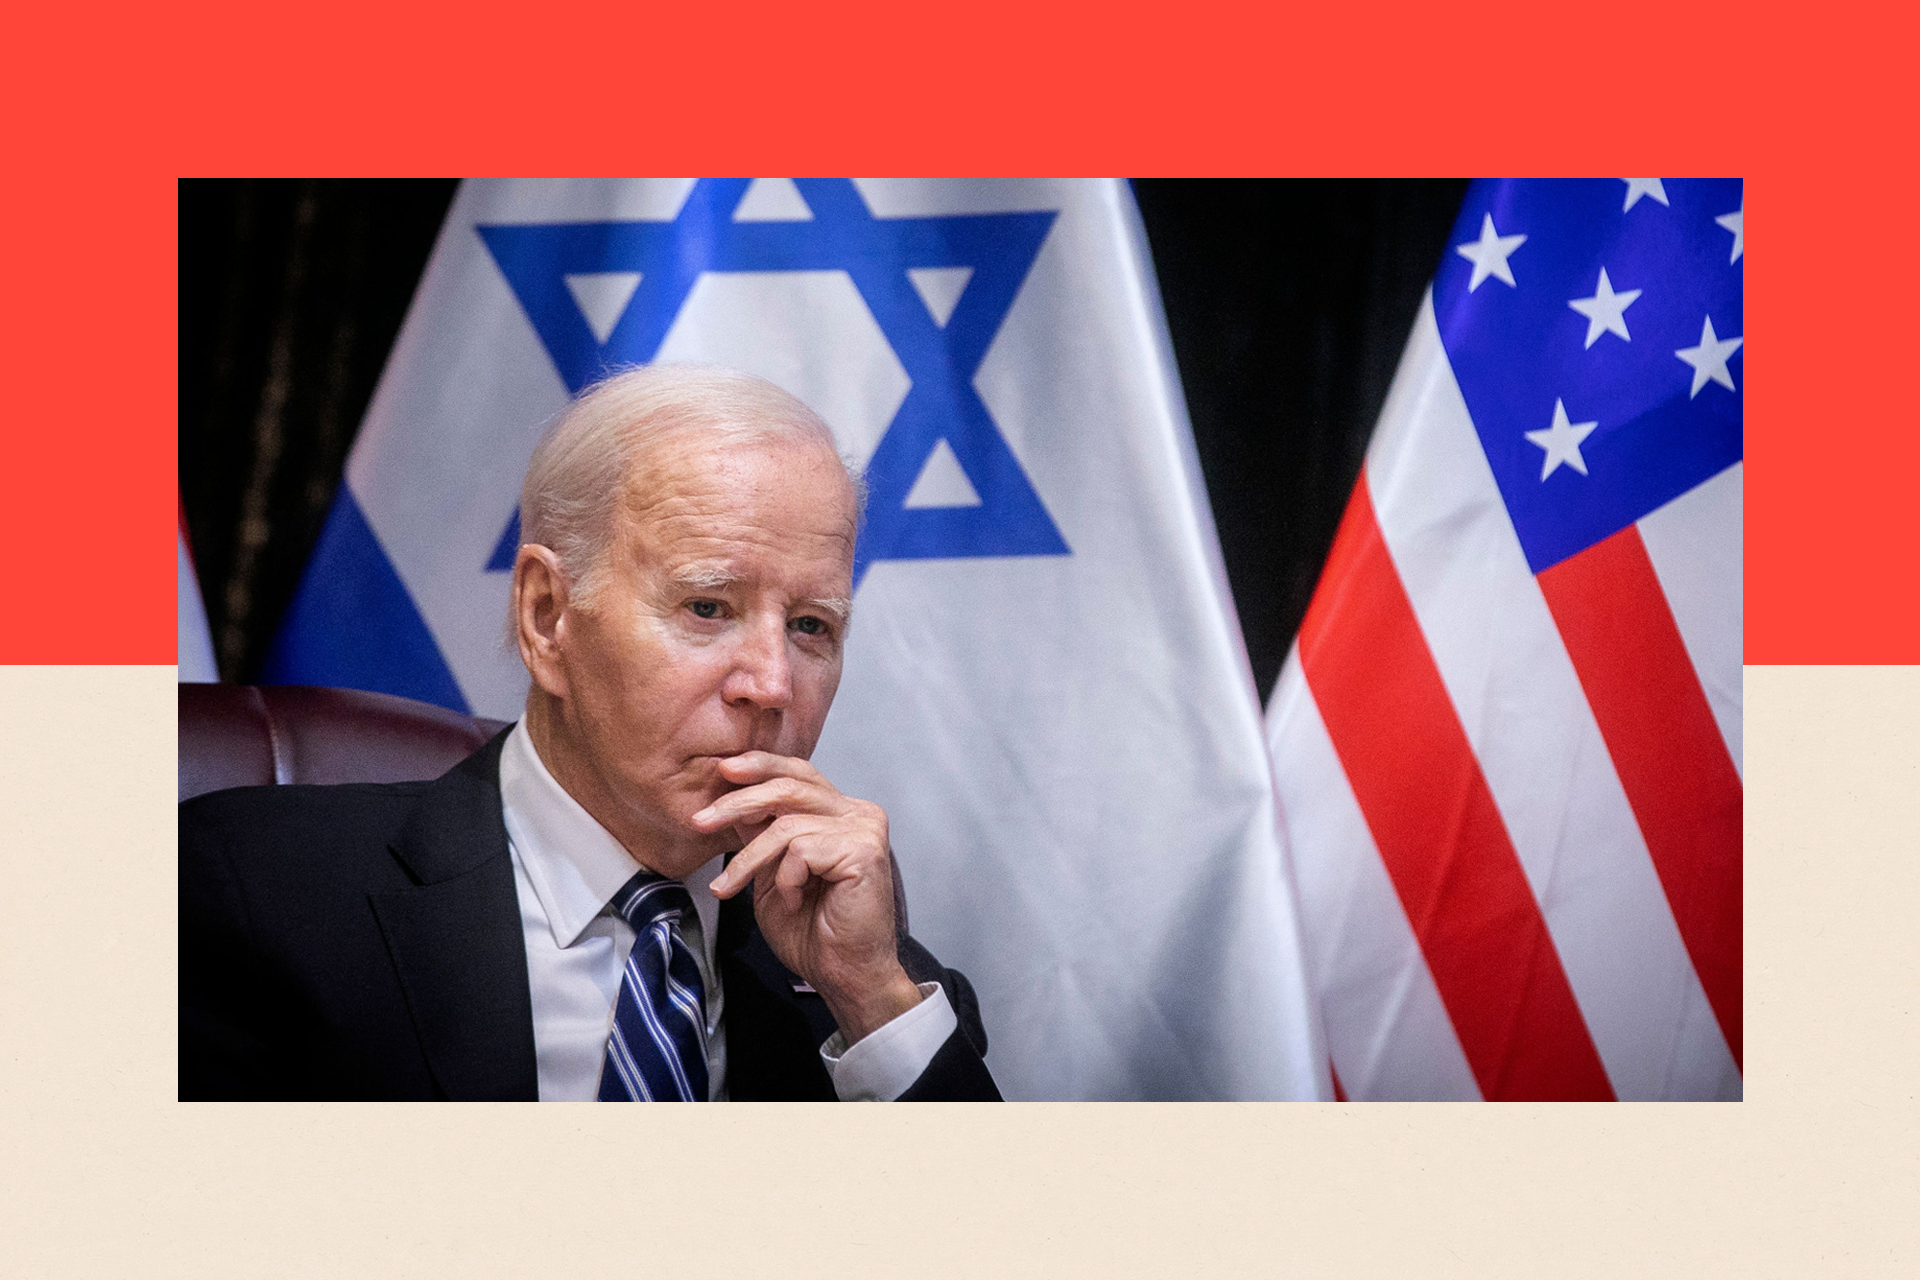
(658, 1049)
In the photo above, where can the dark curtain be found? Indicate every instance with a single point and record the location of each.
(290, 295)
(1288, 304)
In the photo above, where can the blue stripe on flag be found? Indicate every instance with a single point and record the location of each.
(507, 549)
(353, 625)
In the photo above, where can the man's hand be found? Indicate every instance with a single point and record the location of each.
(822, 884)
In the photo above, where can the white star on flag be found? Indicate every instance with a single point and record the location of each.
(1731, 221)
(1562, 442)
(1489, 254)
(1606, 311)
(1637, 187)
(1709, 359)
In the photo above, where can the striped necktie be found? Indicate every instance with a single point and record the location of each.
(658, 1049)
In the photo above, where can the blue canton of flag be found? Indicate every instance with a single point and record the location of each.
(1595, 329)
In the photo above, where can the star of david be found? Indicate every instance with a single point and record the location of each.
(877, 253)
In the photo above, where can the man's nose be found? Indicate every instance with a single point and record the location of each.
(762, 674)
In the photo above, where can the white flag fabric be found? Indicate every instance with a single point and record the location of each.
(196, 641)
(1508, 735)
(1045, 685)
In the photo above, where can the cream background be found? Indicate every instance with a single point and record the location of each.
(1817, 1173)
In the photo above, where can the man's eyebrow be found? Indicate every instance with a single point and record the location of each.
(703, 577)
(839, 606)
(711, 577)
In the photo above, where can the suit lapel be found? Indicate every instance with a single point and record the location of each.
(773, 1033)
(455, 937)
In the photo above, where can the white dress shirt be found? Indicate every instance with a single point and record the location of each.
(566, 869)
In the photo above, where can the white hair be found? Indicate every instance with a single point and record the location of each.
(578, 472)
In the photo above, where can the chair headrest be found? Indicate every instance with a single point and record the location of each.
(257, 735)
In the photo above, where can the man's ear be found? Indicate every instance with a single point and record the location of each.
(540, 616)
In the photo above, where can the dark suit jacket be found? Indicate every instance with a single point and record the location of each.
(364, 941)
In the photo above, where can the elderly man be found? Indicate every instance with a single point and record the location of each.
(642, 890)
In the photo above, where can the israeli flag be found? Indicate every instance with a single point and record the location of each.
(1045, 685)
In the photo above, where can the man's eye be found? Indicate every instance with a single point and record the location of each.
(809, 626)
(705, 608)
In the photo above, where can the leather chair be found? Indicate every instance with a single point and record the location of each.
(249, 736)
(237, 735)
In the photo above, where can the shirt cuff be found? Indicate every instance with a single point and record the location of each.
(884, 1065)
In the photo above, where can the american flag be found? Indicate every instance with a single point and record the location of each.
(1507, 740)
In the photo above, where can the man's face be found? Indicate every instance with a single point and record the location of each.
(717, 629)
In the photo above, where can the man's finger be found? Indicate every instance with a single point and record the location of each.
(769, 844)
(770, 798)
(808, 855)
(755, 766)
(792, 872)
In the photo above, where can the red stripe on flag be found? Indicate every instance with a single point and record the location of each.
(1439, 833)
(1672, 761)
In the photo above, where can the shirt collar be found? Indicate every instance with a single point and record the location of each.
(574, 863)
